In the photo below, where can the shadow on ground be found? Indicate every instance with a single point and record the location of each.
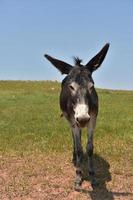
(103, 176)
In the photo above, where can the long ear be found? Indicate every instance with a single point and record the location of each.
(97, 60)
(63, 67)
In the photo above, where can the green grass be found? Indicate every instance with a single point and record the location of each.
(30, 120)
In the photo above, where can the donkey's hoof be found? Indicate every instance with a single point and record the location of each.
(77, 186)
(78, 183)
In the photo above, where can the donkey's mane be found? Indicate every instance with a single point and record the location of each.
(77, 61)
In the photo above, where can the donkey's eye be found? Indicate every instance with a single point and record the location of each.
(90, 85)
(71, 88)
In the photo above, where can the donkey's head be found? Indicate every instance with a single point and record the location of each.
(78, 96)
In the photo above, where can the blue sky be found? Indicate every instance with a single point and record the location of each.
(64, 29)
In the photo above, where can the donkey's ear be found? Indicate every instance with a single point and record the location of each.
(97, 60)
(63, 67)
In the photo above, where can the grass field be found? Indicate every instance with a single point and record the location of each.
(36, 144)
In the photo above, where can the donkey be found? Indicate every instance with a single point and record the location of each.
(79, 105)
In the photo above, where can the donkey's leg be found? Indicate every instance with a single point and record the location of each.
(78, 153)
(74, 158)
(89, 149)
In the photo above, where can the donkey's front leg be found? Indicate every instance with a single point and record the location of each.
(74, 158)
(90, 148)
(78, 155)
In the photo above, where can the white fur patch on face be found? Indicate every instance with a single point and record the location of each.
(81, 111)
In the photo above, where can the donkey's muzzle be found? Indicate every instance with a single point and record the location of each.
(82, 122)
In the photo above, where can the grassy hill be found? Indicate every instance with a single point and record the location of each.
(30, 118)
(31, 126)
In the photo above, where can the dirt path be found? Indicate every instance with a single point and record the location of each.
(51, 178)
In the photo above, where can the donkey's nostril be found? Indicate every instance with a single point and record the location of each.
(77, 119)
